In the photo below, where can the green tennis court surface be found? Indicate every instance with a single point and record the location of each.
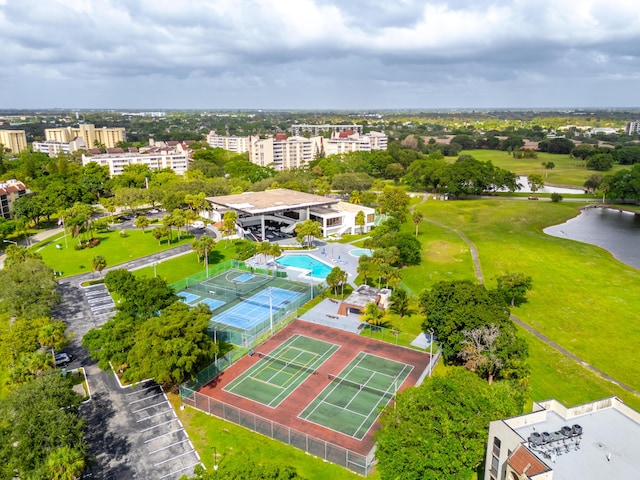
(351, 403)
(276, 375)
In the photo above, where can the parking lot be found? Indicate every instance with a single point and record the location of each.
(132, 431)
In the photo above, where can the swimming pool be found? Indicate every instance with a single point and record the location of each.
(306, 262)
(360, 252)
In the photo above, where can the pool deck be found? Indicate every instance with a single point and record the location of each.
(332, 254)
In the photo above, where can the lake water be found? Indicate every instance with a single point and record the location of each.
(615, 231)
(547, 188)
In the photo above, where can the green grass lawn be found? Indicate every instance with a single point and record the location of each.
(582, 297)
(568, 171)
(234, 442)
(113, 247)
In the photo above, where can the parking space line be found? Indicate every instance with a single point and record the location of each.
(145, 399)
(164, 435)
(156, 415)
(168, 446)
(178, 471)
(172, 458)
(142, 390)
(145, 408)
(158, 425)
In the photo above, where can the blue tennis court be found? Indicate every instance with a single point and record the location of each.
(188, 297)
(244, 277)
(211, 303)
(257, 309)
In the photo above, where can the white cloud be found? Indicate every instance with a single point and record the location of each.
(403, 51)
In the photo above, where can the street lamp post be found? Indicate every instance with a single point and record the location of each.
(10, 241)
(215, 459)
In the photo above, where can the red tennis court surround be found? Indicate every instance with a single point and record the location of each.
(286, 413)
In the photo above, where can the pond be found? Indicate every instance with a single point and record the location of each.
(616, 231)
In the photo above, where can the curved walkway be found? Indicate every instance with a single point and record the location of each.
(527, 327)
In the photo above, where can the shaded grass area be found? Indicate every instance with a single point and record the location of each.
(234, 443)
(581, 295)
(567, 171)
(113, 247)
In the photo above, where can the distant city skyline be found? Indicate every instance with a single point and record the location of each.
(319, 54)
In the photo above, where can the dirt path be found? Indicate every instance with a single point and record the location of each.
(527, 327)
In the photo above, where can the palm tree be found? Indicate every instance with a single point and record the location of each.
(416, 218)
(142, 222)
(264, 249)
(374, 316)
(355, 198)
(65, 463)
(52, 335)
(158, 233)
(178, 220)
(365, 267)
(99, 264)
(360, 221)
(203, 246)
(229, 223)
(167, 221)
(275, 250)
(401, 303)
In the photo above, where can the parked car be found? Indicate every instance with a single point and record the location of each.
(153, 211)
(63, 359)
(198, 224)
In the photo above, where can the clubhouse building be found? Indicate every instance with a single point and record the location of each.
(273, 214)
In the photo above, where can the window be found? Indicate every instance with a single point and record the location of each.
(495, 463)
(496, 446)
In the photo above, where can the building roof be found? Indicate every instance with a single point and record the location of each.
(280, 199)
(363, 295)
(353, 208)
(606, 448)
(525, 462)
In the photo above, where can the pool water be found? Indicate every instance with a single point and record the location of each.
(360, 252)
(306, 262)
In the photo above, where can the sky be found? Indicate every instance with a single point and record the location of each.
(319, 54)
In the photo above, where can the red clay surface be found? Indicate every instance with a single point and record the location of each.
(287, 412)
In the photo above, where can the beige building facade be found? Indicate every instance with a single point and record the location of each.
(109, 137)
(14, 140)
(177, 159)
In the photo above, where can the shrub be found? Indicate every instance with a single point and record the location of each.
(556, 197)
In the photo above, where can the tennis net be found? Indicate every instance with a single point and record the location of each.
(288, 363)
(361, 386)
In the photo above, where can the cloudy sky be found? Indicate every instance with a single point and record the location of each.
(348, 54)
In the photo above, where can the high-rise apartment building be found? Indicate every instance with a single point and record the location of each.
(109, 137)
(14, 140)
(230, 143)
(632, 128)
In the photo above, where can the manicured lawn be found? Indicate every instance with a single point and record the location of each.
(567, 171)
(445, 256)
(113, 247)
(582, 298)
(233, 443)
(178, 268)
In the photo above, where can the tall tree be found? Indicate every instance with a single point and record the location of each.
(229, 223)
(203, 246)
(29, 288)
(513, 287)
(400, 303)
(174, 347)
(52, 335)
(310, 229)
(99, 264)
(536, 182)
(142, 222)
(417, 218)
(439, 429)
(394, 201)
(360, 221)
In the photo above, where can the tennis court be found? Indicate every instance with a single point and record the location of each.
(191, 300)
(279, 373)
(257, 309)
(351, 403)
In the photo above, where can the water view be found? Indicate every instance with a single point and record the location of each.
(615, 231)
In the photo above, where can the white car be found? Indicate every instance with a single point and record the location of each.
(198, 224)
(63, 359)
